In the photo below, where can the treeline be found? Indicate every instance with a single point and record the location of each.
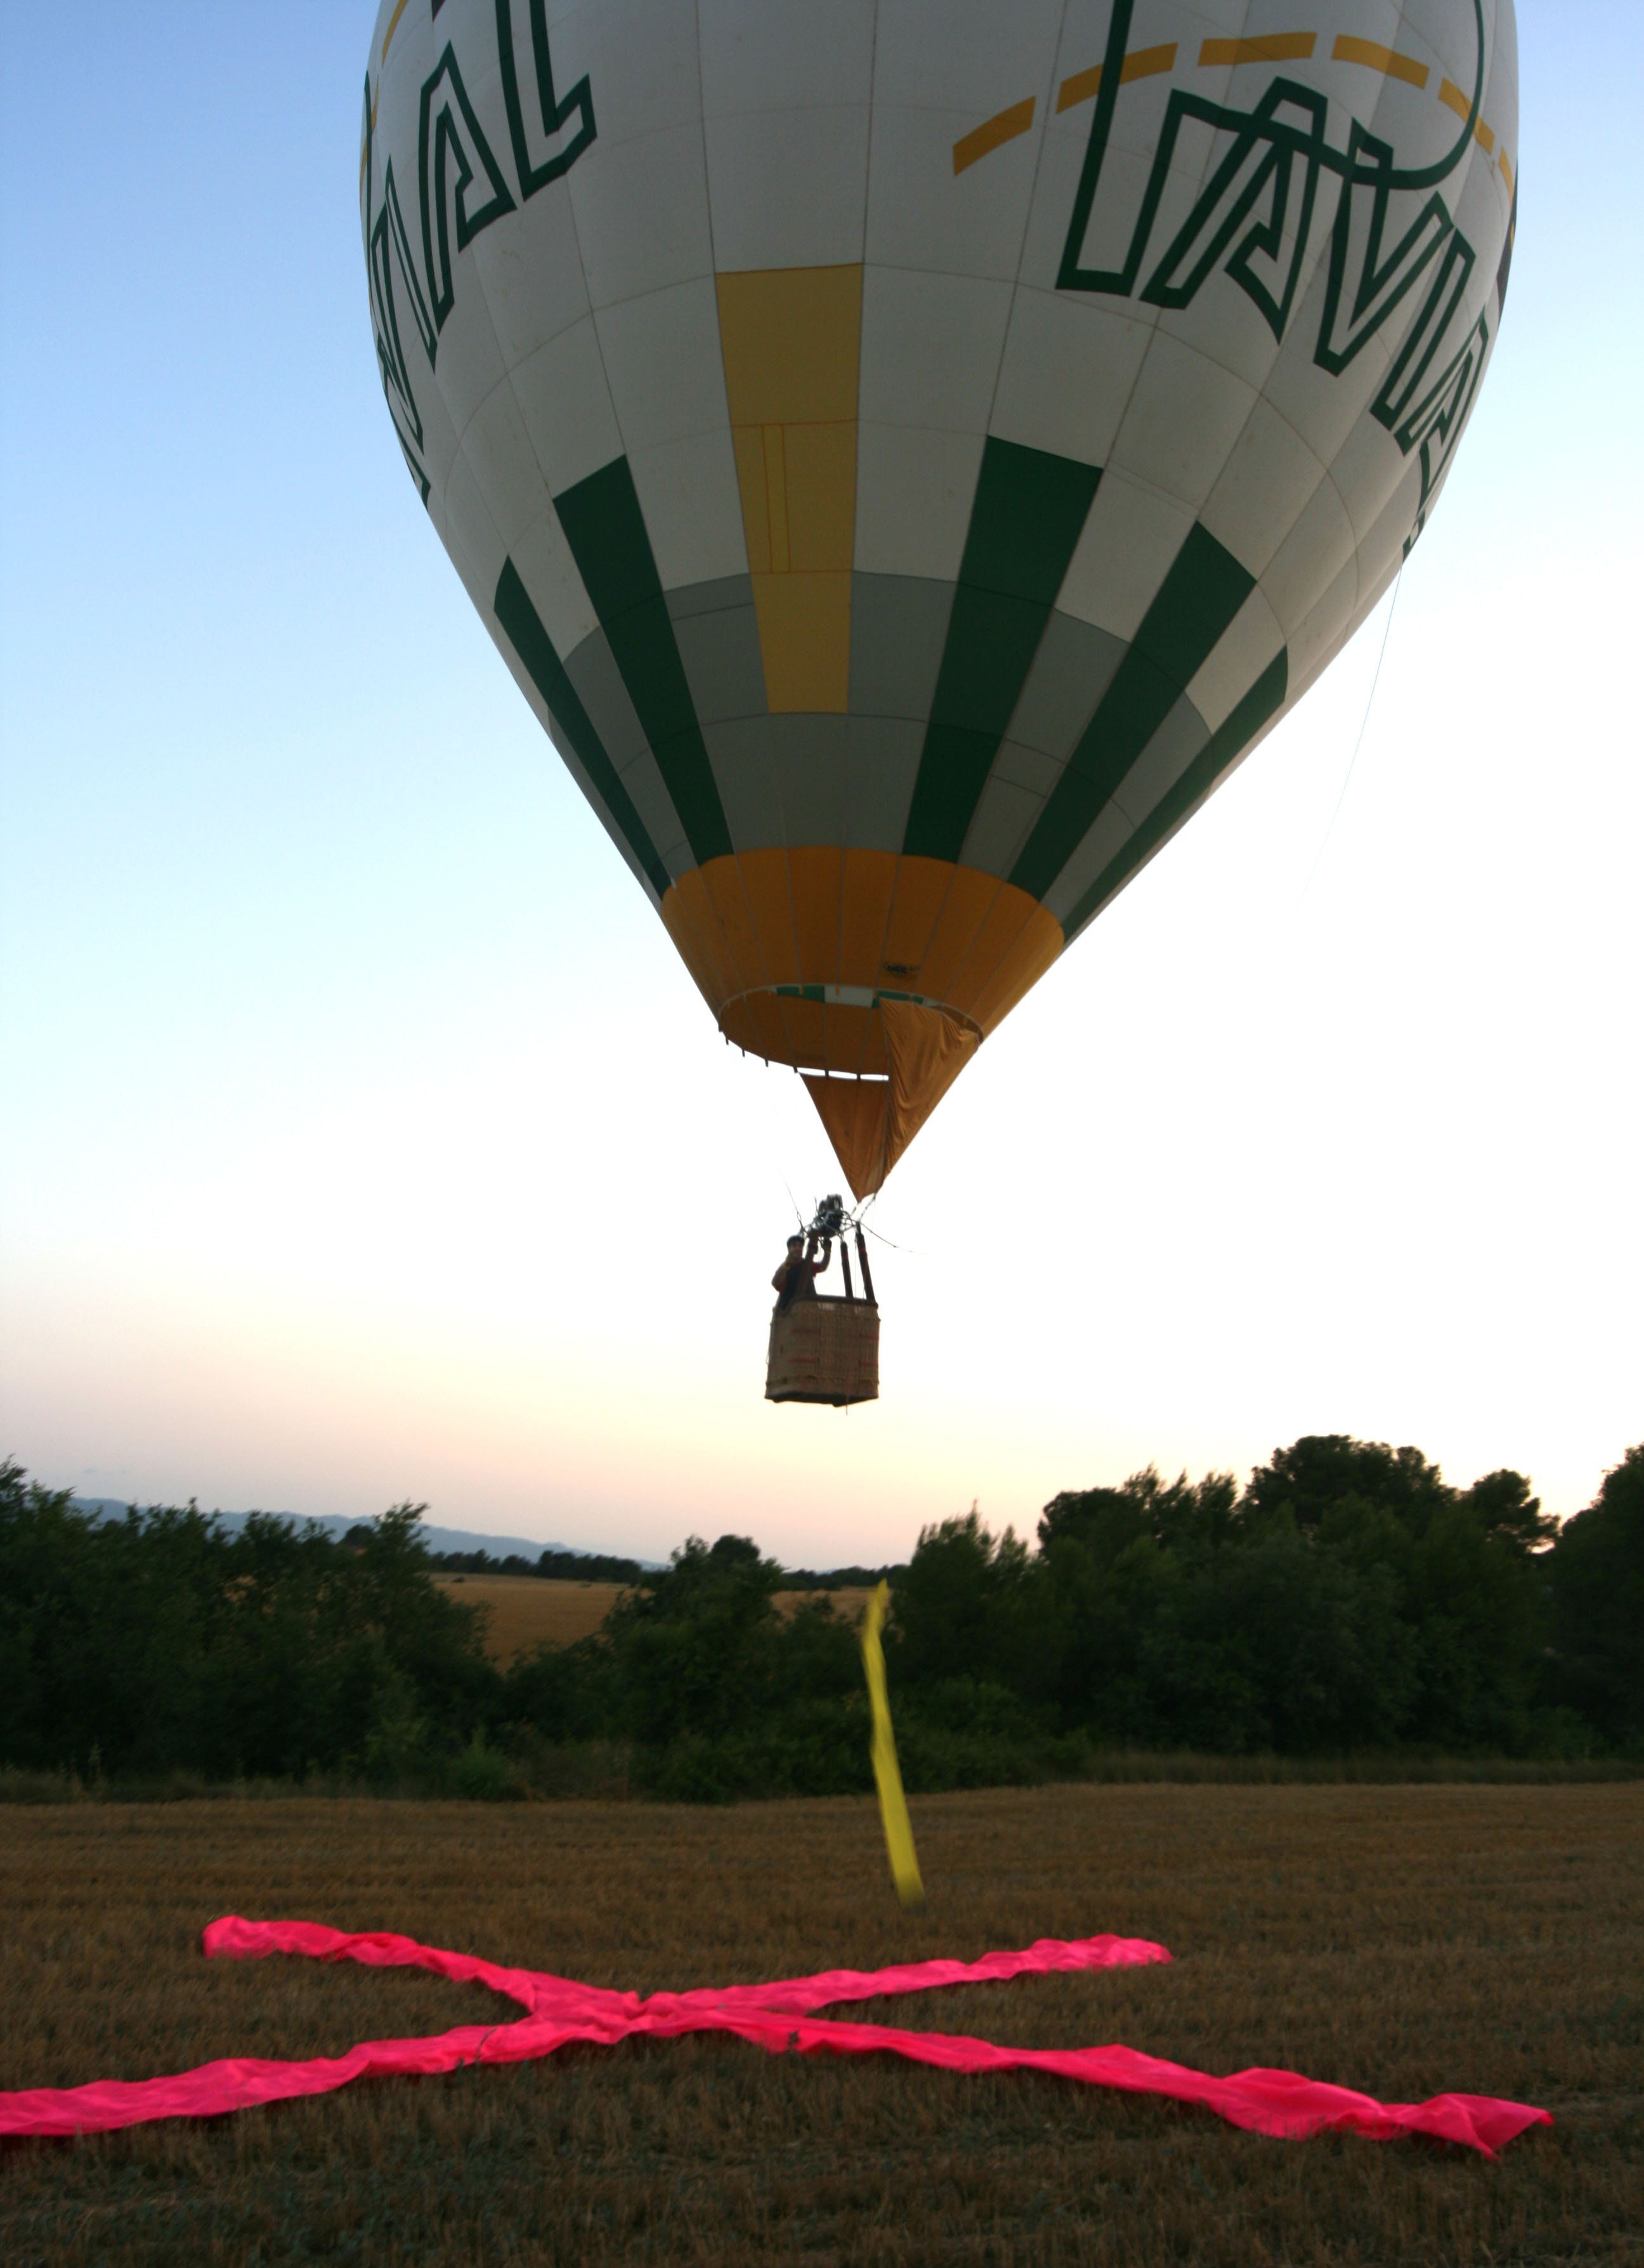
(1346, 1600)
(551, 1566)
(841, 1578)
(604, 1567)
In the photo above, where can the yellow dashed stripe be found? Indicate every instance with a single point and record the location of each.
(1452, 96)
(1142, 62)
(1274, 47)
(1004, 127)
(1270, 47)
(393, 25)
(365, 143)
(1349, 50)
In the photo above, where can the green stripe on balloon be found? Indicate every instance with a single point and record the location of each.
(1224, 746)
(523, 625)
(1199, 597)
(605, 531)
(1027, 517)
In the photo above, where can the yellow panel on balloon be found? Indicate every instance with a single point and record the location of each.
(805, 637)
(792, 341)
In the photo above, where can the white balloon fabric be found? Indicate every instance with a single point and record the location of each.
(909, 452)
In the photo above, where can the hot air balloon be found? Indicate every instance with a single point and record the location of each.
(910, 451)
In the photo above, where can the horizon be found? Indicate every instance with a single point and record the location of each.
(369, 1143)
(484, 1538)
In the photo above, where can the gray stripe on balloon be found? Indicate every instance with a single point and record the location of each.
(525, 632)
(1198, 599)
(1216, 759)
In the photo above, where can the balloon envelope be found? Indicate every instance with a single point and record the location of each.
(909, 452)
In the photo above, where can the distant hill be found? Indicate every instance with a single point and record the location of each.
(437, 1539)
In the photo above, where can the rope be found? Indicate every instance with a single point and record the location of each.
(1387, 631)
(863, 1222)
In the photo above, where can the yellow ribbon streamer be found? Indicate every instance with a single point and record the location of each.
(893, 1804)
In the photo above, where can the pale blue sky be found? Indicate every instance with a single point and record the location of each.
(365, 1138)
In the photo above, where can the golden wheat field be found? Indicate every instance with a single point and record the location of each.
(527, 1610)
(1402, 1940)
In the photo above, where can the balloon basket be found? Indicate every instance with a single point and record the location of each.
(824, 1349)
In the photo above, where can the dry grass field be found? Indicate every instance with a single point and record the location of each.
(848, 1602)
(1404, 1940)
(528, 1610)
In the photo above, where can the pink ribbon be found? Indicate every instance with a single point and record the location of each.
(777, 2017)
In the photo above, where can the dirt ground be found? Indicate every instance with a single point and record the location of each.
(1405, 1941)
(527, 1610)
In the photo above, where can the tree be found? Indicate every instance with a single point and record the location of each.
(1106, 1521)
(963, 1608)
(1596, 1572)
(1323, 1470)
(1475, 1597)
(1502, 1503)
(694, 1644)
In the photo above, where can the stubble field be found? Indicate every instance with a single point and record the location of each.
(1405, 1941)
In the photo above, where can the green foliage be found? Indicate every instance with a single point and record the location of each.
(163, 1642)
(693, 1644)
(550, 1566)
(719, 1693)
(964, 1606)
(1348, 1601)
(482, 1773)
(1596, 1572)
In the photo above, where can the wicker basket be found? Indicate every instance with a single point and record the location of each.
(824, 1350)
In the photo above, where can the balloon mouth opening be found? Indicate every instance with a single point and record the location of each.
(747, 1011)
(871, 1119)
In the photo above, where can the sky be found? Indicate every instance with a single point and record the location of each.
(363, 1138)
